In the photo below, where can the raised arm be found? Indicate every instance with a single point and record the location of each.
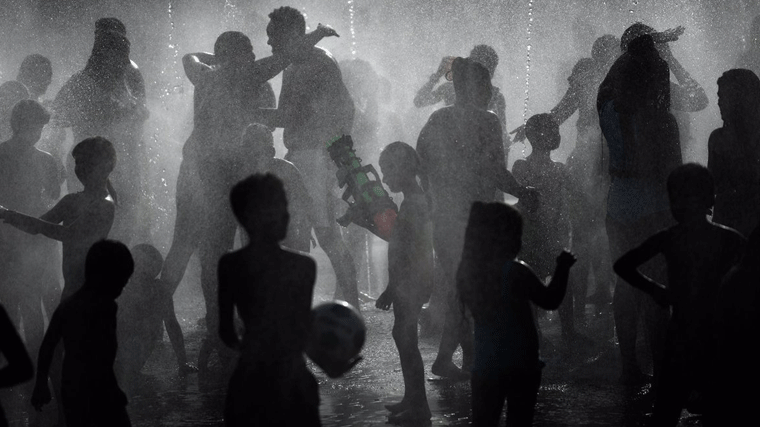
(92, 222)
(426, 95)
(551, 296)
(627, 268)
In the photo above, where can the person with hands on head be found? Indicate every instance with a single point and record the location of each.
(698, 254)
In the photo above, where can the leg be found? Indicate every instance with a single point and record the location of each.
(330, 240)
(488, 396)
(414, 405)
(521, 398)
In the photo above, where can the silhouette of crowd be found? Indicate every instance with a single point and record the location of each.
(682, 237)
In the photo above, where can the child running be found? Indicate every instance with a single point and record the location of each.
(410, 276)
(498, 289)
(547, 229)
(86, 322)
(272, 290)
(698, 254)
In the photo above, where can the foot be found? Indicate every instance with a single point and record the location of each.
(395, 408)
(449, 370)
(412, 416)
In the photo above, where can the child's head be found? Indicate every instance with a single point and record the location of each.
(472, 83)
(148, 261)
(27, 120)
(691, 191)
(258, 139)
(261, 206)
(231, 46)
(543, 132)
(495, 228)
(94, 159)
(36, 73)
(107, 268)
(399, 164)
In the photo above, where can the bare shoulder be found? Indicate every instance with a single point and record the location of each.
(731, 236)
(521, 269)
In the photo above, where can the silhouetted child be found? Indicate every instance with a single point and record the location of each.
(498, 289)
(80, 219)
(86, 323)
(698, 254)
(272, 290)
(548, 228)
(410, 275)
(145, 308)
(18, 366)
(737, 323)
(30, 181)
(260, 143)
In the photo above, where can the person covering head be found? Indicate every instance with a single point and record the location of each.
(109, 58)
(28, 113)
(231, 44)
(633, 32)
(604, 47)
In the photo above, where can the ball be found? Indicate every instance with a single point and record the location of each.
(337, 337)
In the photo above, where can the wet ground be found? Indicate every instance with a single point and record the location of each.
(577, 390)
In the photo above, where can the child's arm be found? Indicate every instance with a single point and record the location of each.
(627, 268)
(549, 297)
(41, 395)
(91, 222)
(227, 306)
(19, 366)
(197, 65)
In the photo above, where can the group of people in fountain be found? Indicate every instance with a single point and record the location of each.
(481, 263)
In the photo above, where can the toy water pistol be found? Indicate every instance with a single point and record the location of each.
(369, 205)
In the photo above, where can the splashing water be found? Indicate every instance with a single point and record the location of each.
(177, 87)
(351, 23)
(527, 65)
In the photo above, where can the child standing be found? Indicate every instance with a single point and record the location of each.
(272, 289)
(145, 307)
(79, 219)
(87, 324)
(698, 254)
(547, 229)
(498, 290)
(410, 275)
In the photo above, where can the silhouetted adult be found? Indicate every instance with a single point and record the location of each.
(314, 107)
(230, 88)
(462, 155)
(734, 151)
(750, 58)
(107, 98)
(484, 55)
(642, 138)
(586, 164)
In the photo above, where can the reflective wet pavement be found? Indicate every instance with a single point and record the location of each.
(577, 390)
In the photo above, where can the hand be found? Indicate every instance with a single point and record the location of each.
(41, 396)
(673, 34)
(444, 66)
(519, 134)
(385, 300)
(566, 259)
(324, 30)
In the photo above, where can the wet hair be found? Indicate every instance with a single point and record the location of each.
(108, 266)
(110, 35)
(262, 196)
(259, 137)
(536, 125)
(97, 150)
(28, 112)
(493, 233)
(34, 66)
(231, 44)
(468, 75)
(486, 56)
(633, 32)
(289, 19)
(148, 259)
(692, 180)
(604, 45)
(405, 153)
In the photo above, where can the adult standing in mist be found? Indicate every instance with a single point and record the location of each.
(315, 107)
(107, 98)
(462, 157)
(643, 141)
(734, 151)
(586, 166)
(230, 88)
